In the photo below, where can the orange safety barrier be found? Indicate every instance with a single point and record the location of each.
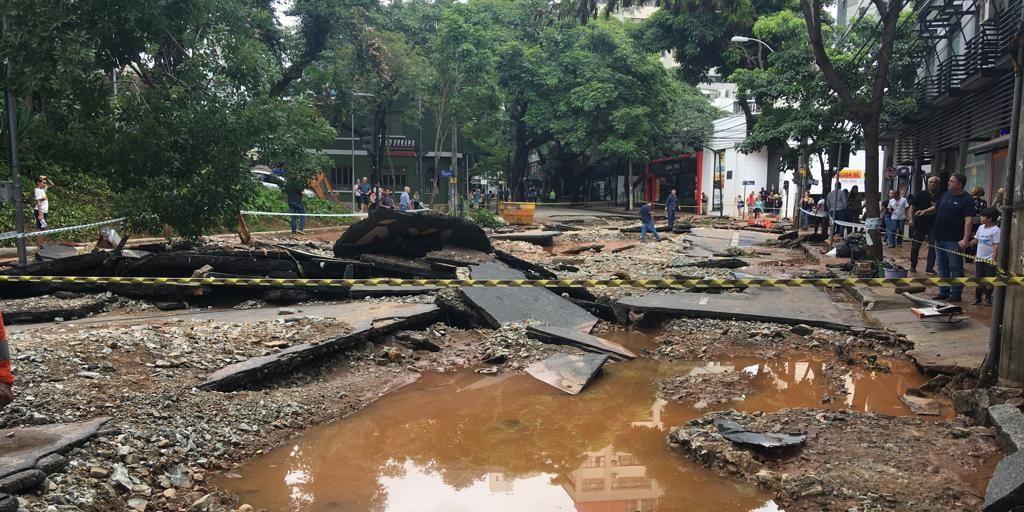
(6, 376)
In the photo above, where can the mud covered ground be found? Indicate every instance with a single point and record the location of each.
(169, 438)
(853, 461)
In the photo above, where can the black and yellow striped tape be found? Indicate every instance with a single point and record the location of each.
(527, 283)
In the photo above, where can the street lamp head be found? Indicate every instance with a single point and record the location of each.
(740, 39)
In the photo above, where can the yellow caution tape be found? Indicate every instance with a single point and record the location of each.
(528, 283)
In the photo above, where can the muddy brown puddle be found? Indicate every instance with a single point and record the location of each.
(467, 442)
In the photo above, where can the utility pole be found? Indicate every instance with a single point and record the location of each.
(352, 148)
(1006, 345)
(419, 143)
(12, 139)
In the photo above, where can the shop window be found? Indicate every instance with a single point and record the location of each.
(341, 178)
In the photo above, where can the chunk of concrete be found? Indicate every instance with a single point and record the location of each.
(532, 270)
(8, 503)
(1009, 425)
(23, 447)
(921, 406)
(1005, 490)
(568, 372)
(55, 252)
(762, 441)
(388, 231)
(590, 343)
(974, 403)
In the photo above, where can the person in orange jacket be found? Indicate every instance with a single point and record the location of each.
(6, 377)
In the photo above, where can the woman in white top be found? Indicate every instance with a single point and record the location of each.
(897, 209)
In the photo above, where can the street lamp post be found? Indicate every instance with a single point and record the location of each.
(744, 39)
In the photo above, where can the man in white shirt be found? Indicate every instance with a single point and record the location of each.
(897, 208)
(42, 203)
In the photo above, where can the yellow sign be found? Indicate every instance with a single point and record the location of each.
(851, 174)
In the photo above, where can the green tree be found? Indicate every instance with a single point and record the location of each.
(170, 101)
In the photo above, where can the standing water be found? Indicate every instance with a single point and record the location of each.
(466, 442)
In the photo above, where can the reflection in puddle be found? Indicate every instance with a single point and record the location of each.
(465, 442)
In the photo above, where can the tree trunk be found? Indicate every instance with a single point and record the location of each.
(519, 164)
(871, 195)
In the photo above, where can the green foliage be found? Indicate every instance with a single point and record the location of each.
(74, 199)
(198, 99)
(266, 199)
(484, 217)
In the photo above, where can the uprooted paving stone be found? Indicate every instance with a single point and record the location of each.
(1008, 422)
(851, 461)
(560, 335)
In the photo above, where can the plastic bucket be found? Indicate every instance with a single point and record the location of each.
(520, 214)
(893, 273)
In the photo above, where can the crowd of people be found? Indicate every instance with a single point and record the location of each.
(950, 224)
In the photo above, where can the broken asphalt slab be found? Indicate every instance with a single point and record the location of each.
(412, 235)
(590, 343)
(568, 372)
(458, 256)
(502, 305)
(23, 447)
(760, 440)
(367, 321)
(792, 306)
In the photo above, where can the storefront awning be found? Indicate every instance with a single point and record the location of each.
(990, 145)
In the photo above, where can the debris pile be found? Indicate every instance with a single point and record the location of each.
(915, 465)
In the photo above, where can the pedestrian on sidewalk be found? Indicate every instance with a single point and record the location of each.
(954, 216)
(647, 222)
(704, 204)
(293, 195)
(405, 201)
(987, 241)
(921, 224)
(671, 205)
(854, 205)
(386, 201)
(897, 210)
(835, 204)
(42, 208)
(818, 219)
(740, 203)
(806, 205)
(758, 210)
(364, 195)
(417, 204)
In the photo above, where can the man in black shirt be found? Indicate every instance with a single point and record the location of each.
(921, 225)
(954, 217)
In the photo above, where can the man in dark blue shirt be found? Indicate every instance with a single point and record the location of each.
(648, 222)
(671, 205)
(954, 216)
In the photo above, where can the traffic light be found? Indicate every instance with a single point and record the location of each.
(366, 137)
